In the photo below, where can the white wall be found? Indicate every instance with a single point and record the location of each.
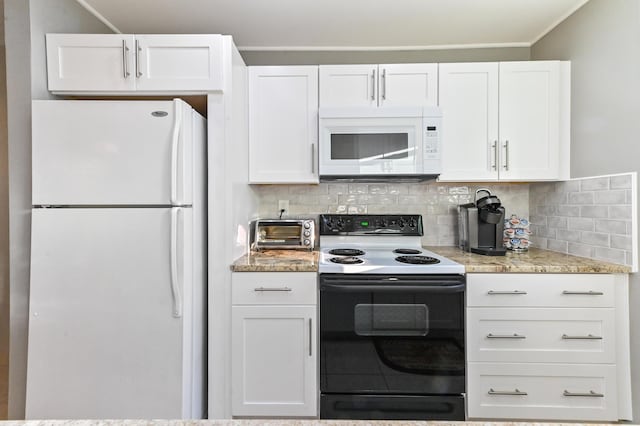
(602, 40)
(26, 23)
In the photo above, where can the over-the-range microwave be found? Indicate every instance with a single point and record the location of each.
(380, 143)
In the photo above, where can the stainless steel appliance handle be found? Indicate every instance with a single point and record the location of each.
(506, 336)
(313, 158)
(518, 292)
(515, 392)
(587, 337)
(272, 289)
(373, 85)
(506, 155)
(125, 65)
(138, 49)
(375, 286)
(384, 84)
(175, 286)
(591, 394)
(586, 293)
(310, 337)
(494, 146)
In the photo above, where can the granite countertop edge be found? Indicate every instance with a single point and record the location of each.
(534, 261)
(280, 422)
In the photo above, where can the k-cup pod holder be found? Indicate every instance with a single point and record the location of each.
(516, 234)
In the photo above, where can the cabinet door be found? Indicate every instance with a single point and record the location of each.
(530, 120)
(283, 124)
(178, 62)
(90, 62)
(274, 360)
(348, 86)
(408, 85)
(469, 102)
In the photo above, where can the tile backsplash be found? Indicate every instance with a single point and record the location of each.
(589, 217)
(437, 202)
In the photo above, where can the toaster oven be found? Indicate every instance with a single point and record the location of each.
(284, 234)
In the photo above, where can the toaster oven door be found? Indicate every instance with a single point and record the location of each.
(279, 234)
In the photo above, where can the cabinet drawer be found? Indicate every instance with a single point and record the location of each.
(274, 288)
(544, 290)
(582, 335)
(542, 391)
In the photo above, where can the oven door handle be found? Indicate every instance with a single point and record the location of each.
(374, 286)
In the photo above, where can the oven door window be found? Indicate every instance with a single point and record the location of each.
(391, 320)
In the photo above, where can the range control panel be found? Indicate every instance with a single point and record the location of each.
(371, 224)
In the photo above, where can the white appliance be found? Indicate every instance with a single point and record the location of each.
(118, 247)
(373, 143)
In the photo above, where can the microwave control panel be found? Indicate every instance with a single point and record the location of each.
(432, 138)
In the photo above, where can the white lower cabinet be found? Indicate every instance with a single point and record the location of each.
(274, 344)
(542, 391)
(548, 347)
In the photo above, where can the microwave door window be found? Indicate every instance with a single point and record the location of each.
(370, 147)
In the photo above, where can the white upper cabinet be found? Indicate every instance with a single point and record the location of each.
(178, 62)
(378, 85)
(90, 62)
(107, 63)
(505, 121)
(530, 120)
(283, 124)
(469, 103)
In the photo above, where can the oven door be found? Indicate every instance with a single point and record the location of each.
(400, 334)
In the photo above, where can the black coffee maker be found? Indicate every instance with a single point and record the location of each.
(481, 225)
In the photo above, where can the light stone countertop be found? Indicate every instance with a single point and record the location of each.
(277, 261)
(533, 261)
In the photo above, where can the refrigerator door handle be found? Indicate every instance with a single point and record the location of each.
(175, 139)
(176, 214)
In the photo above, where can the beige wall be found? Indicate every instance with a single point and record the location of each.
(385, 57)
(602, 41)
(4, 242)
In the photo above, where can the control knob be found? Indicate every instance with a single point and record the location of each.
(307, 233)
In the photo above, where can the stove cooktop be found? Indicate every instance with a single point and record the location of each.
(378, 244)
(379, 260)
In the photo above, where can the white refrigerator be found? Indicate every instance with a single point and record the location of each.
(118, 273)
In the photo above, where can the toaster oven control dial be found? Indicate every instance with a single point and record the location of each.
(307, 225)
(307, 242)
(307, 233)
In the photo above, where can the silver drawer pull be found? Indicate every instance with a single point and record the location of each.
(506, 292)
(515, 392)
(587, 293)
(587, 337)
(590, 394)
(506, 336)
(272, 289)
